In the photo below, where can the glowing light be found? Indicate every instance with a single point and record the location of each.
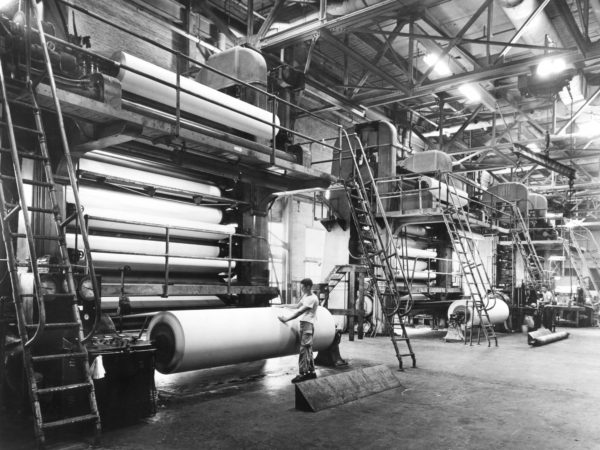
(534, 147)
(470, 92)
(439, 66)
(550, 66)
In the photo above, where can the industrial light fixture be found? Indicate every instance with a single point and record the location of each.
(534, 147)
(439, 66)
(549, 67)
(548, 78)
(470, 92)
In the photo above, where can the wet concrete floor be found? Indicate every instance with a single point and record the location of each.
(459, 397)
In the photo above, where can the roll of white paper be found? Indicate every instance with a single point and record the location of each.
(192, 340)
(410, 265)
(152, 179)
(416, 253)
(422, 275)
(138, 263)
(153, 248)
(226, 110)
(152, 262)
(160, 213)
(156, 303)
(445, 193)
(497, 310)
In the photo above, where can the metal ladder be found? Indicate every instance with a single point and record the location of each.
(332, 280)
(472, 266)
(580, 268)
(531, 260)
(55, 344)
(382, 260)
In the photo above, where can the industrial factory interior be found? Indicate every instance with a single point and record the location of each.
(281, 224)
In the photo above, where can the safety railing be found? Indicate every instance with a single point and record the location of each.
(421, 194)
(166, 234)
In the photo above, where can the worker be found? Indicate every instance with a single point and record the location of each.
(547, 312)
(306, 310)
(547, 296)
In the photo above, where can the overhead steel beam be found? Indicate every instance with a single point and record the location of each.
(521, 30)
(326, 35)
(463, 126)
(439, 37)
(566, 14)
(508, 69)
(544, 161)
(378, 57)
(394, 58)
(574, 117)
(376, 11)
(433, 23)
(486, 98)
(456, 39)
(266, 25)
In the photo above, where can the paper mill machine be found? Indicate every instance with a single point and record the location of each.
(134, 181)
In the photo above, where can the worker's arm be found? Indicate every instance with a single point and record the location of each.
(302, 309)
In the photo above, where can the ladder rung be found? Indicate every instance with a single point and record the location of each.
(52, 297)
(52, 266)
(37, 236)
(66, 387)
(33, 208)
(39, 358)
(70, 420)
(22, 128)
(56, 325)
(27, 181)
(29, 155)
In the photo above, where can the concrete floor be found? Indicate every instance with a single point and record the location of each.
(510, 397)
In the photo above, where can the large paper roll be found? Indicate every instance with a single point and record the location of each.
(142, 177)
(138, 263)
(416, 265)
(155, 303)
(192, 340)
(417, 253)
(137, 209)
(497, 310)
(151, 262)
(445, 193)
(153, 248)
(226, 110)
(421, 275)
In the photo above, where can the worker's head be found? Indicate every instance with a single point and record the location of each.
(306, 285)
(544, 289)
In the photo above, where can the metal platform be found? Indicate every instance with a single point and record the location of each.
(220, 153)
